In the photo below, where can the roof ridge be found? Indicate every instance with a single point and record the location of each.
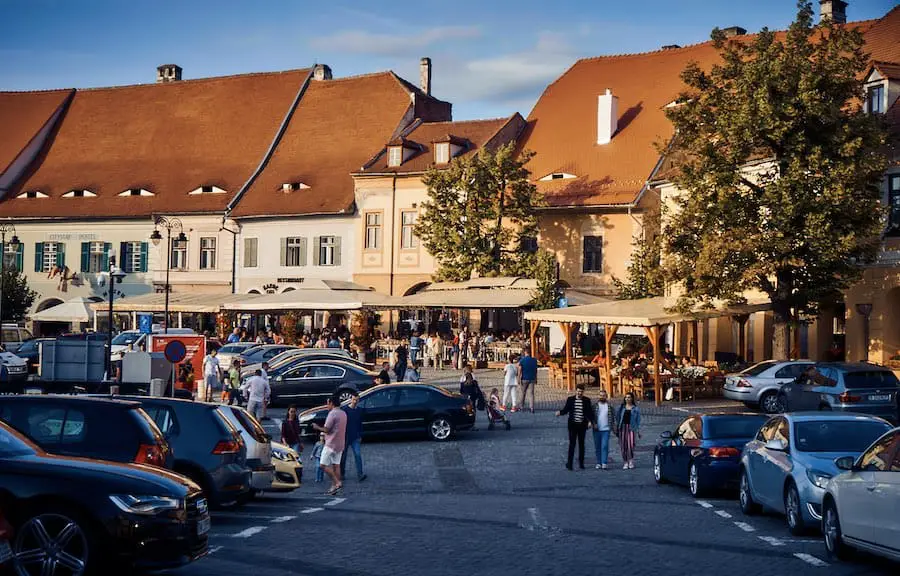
(495, 119)
(40, 91)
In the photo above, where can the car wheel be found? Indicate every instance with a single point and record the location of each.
(783, 403)
(793, 511)
(51, 540)
(748, 506)
(344, 395)
(831, 530)
(770, 403)
(440, 429)
(694, 482)
(657, 470)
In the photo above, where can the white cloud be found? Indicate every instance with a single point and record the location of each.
(362, 42)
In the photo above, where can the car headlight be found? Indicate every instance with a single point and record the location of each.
(145, 505)
(284, 455)
(307, 417)
(819, 479)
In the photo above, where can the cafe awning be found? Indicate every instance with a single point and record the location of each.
(502, 292)
(178, 302)
(316, 295)
(74, 310)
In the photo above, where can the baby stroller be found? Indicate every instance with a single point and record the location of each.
(495, 415)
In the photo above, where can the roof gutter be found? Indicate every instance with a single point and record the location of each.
(272, 146)
(653, 172)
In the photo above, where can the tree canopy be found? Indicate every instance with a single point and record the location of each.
(17, 296)
(480, 214)
(644, 276)
(780, 171)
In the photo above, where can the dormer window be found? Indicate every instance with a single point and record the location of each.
(135, 192)
(558, 176)
(395, 155)
(32, 194)
(289, 187)
(442, 153)
(206, 190)
(79, 194)
(875, 99)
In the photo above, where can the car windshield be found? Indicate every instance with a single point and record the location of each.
(733, 426)
(232, 349)
(758, 369)
(125, 338)
(837, 435)
(10, 445)
(871, 379)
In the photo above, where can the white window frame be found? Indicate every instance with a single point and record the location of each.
(134, 254)
(11, 256)
(442, 153)
(179, 257)
(408, 239)
(208, 247)
(395, 156)
(880, 100)
(95, 257)
(48, 261)
(255, 255)
(373, 231)
(293, 251)
(327, 246)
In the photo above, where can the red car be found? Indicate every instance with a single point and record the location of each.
(6, 534)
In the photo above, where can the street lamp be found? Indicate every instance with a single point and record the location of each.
(169, 224)
(115, 277)
(5, 228)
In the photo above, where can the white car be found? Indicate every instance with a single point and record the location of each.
(259, 447)
(861, 507)
(759, 384)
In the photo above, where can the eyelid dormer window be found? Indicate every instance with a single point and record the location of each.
(557, 176)
(875, 98)
(395, 156)
(32, 194)
(79, 194)
(289, 187)
(208, 189)
(136, 192)
(442, 153)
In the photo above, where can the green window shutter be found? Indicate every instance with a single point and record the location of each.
(303, 251)
(144, 257)
(86, 257)
(60, 254)
(284, 251)
(20, 257)
(38, 256)
(317, 245)
(107, 248)
(124, 260)
(337, 250)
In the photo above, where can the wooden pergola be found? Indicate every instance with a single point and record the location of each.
(651, 314)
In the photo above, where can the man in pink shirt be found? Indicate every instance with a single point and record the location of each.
(335, 430)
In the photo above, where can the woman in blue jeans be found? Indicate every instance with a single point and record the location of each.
(605, 426)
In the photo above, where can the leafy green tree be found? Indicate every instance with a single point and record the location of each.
(780, 171)
(479, 211)
(546, 294)
(644, 275)
(17, 296)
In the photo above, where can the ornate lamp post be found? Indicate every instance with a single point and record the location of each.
(5, 228)
(168, 224)
(115, 277)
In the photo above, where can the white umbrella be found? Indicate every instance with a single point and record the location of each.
(75, 310)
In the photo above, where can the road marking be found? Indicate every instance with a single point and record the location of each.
(214, 549)
(810, 559)
(251, 531)
(311, 510)
(335, 502)
(704, 503)
(772, 540)
(281, 519)
(745, 527)
(723, 514)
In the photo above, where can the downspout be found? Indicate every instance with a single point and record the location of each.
(393, 234)
(234, 235)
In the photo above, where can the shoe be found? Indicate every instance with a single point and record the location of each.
(625, 466)
(568, 466)
(532, 410)
(598, 467)
(514, 409)
(631, 465)
(581, 466)
(363, 478)
(604, 466)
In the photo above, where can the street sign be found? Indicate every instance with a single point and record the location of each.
(145, 323)
(563, 303)
(175, 351)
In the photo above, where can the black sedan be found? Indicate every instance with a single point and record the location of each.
(76, 516)
(395, 409)
(311, 383)
(704, 452)
(263, 353)
(30, 351)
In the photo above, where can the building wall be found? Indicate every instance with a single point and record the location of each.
(269, 275)
(191, 278)
(879, 287)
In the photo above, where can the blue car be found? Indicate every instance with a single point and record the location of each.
(704, 452)
(786, 468)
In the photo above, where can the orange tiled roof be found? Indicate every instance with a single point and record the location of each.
(474, 134)
(888, 69)
(22, 114)
(333, 132)
(562, 127)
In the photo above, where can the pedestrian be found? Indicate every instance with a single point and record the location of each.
(511, 384)
(384, 375)
(414, 374)
(415, 347)
(470, 389)
(232, 392)
(264, 367)
(581, 414)
(257, 391)
(629, 425)
(235, 336)
(210, 376)
(438, 351)
(528, 367)
(401, 358)
(290, 430)
(604, 425)
(353, 437)
(335, 430)
(316, 456)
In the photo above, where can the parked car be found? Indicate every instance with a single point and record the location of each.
(259, 447)
(288, 468)
(759, 384)
(95, 336)
(290, 358)
(229, 352)
(704, 451)
(78, 514)
(13, 373)
(13, 336)
(100, 428)
(311, 383)
(787, 466)
(136, 339)
(395, 409)
(30, 351)
(263, 353)
(6, 536)
(208, 448)
(861, 388)
(861, 507)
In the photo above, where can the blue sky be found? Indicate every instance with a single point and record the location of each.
(491, 57)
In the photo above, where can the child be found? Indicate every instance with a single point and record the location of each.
(314, 457)
(495, 399)
(511, 384)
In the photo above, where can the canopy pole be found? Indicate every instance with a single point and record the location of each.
(694, 348)
(609, 331)
(742, 319)
(535, 324)
(567, 327)
(657, 383)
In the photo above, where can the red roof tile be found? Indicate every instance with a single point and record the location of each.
(22, 114)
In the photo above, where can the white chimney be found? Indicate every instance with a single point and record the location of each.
(425, 75)
(607, 117)
(834, 10)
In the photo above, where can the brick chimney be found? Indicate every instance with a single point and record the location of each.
(425, 75)
(607, 117)
(322, 72)
(835, 10)
(168, 73)
(733, 31)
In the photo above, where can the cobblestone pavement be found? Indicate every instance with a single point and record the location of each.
(498, 502)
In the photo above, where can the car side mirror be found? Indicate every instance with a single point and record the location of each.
(776, 444)
(279, 378)
(666, 435)
(845, 462)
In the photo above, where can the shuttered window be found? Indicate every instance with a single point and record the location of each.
(251, 246)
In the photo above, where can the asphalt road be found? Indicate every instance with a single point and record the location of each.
(502, 503)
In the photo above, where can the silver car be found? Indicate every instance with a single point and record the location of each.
(259, 447)
(861, 508)
(758, 385)
(788, 465)
(229, 352)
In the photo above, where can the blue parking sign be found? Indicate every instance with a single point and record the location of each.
(563, 303)
(145, 323)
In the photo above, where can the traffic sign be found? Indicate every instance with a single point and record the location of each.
(145, 323)
(175, 351)
(563, 303)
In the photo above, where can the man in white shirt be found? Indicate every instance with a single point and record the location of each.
(257, 390)
(605, 425)
(210, 376)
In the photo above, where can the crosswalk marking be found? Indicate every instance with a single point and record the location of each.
(311, 510)
(335, 502)
(251, 531)
(810, 559)
(745, 527)
(281, 519)
(723, 514)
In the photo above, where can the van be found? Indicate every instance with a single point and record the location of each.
(135, 340)
(14, 335)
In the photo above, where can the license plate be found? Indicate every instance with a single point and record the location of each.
(202, 526)
(202, 506)
(879, 398)
(5, 551)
